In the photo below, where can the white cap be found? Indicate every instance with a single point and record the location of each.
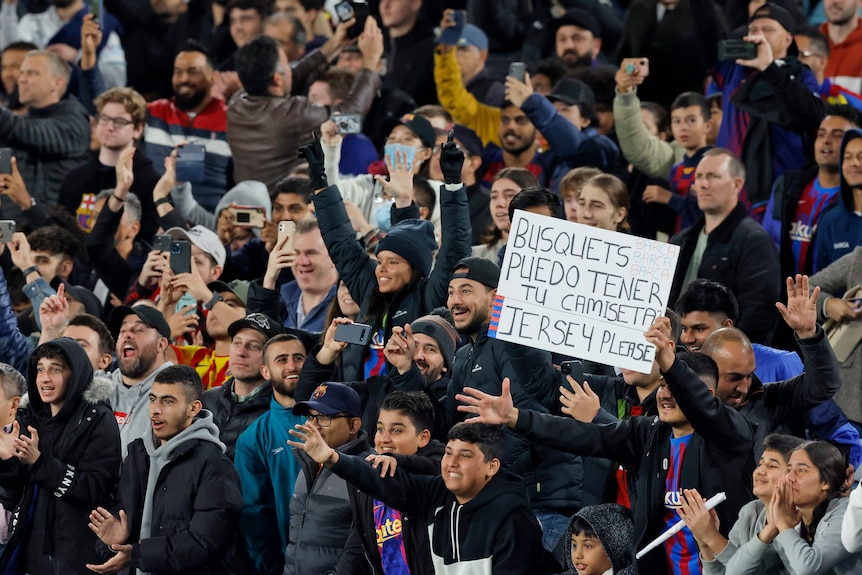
(204, 238)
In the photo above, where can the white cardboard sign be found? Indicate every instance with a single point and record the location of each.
(582, 291)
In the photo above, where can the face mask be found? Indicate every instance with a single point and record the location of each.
(383, 216)
(390, 149)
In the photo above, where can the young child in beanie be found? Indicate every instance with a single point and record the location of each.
(602, 541)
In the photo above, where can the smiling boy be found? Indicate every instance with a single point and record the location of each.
(477, 518)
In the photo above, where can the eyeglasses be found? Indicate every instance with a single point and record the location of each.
(324, 420)
(807, 54)
(117, 122)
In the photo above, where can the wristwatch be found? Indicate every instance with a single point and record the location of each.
(30, 270)
(214, 300)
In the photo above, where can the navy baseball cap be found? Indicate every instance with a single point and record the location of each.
(331, 398)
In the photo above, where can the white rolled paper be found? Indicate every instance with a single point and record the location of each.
(710, 503)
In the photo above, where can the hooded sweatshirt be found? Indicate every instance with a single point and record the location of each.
(76, 471)
(840, 228)
(613, 526)
(131, 406)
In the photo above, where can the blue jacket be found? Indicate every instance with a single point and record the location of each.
(267, 471)
(840, 229)
(13, 344)
(570, 147)
(314, 320)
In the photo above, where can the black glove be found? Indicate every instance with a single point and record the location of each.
(451, 160)
(313, 154)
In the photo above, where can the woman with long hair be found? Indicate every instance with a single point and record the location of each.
(793, 527)
(604, 203)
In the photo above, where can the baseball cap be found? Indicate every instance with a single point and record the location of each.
(239, 288)
(202, 237)
(149, 315)
(85, 297)
(413, 122)
(472, 35)
(576, 17)
(571, 91)
(331, 398)
(470, 141)
(481, 270)
(777, 13)
(259, 322)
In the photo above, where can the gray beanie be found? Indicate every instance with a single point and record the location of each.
(441, 331)
(247, 193)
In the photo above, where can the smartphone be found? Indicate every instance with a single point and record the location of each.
(162, 242)
(181, 257)
(7, 228)
(96, 10)
(451, 34)
(286, 228)
(344, 10)
(636, 66)
(358, 333)
(348, 123)
(361, 13)
(186, 300)
(518, 71)
(574, 368)
(248, 216)
(855, 303)
(5, 160)
(191, 166)
(736, 50)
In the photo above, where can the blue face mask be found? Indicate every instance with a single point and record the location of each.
(390, 149)
(382, 216)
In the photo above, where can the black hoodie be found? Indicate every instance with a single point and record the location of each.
(76, 472)
(495, 532)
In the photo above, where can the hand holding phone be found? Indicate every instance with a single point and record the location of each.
(181, 257)
(636, 66)
(356, 333)
(287, 229)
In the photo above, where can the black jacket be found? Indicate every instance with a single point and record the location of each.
(718, 457)
(780, 407)
(233, 418)
(47, 143)
(92, 177)
(118, 273)
(411, 63)
(554, 479)
(356, 268)
(77, 472)
(362, 555)
(195, 511)
(496, 529)
(741, 256)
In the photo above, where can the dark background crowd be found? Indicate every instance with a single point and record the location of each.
(250, 249)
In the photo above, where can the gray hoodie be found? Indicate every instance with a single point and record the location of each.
(131, 406)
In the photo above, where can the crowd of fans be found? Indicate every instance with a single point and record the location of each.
(250, 249)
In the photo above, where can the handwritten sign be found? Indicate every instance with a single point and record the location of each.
(582, 291)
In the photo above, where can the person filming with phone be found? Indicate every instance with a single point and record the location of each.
(769, 98)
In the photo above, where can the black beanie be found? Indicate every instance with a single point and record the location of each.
(414, 241)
